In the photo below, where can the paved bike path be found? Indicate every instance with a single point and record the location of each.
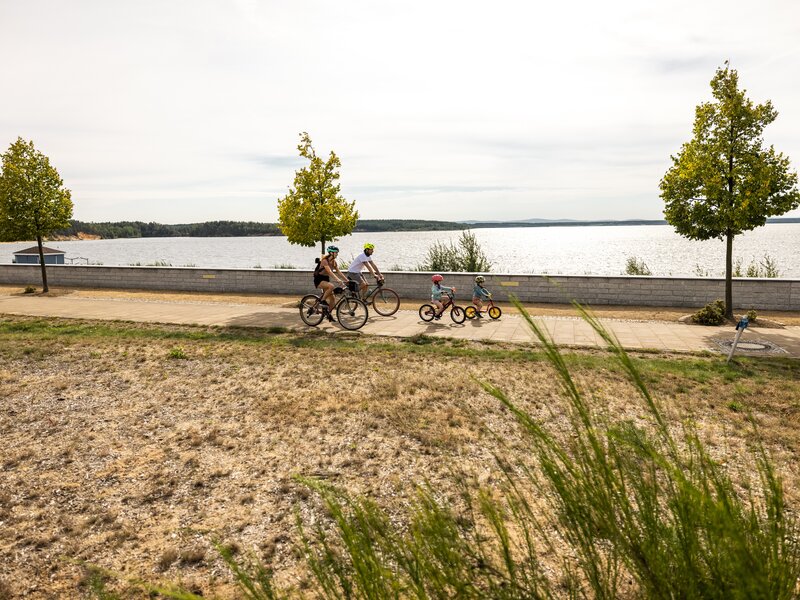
(566, 331)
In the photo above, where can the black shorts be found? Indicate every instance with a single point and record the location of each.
(320, 278)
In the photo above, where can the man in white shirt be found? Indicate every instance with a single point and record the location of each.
(359, 262)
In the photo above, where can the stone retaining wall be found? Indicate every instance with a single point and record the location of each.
(761, 294)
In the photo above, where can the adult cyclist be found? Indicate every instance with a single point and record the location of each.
(326, 270)
(354, 271)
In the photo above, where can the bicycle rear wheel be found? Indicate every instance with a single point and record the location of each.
(471, 312)
(311, 310)
(457, 314)
(427, 312)
(385, 302)
(352, 313)
(495, 312)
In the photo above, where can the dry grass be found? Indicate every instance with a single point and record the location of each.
(113, 453)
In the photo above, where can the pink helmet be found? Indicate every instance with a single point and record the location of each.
(437, 278)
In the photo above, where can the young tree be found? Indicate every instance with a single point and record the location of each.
(33, 199)
(313, 210)
(724, 181)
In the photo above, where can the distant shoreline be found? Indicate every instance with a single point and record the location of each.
(81, 230)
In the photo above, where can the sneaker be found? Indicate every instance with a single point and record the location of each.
(437, 317)
(479, 314)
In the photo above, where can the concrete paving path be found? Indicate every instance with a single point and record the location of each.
(567, 331)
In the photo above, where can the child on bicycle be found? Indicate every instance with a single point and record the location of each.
(480, 294)
(437, 289)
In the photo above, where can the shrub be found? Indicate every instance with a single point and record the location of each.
(766, 268)
(635, 266)
(467, 256)
(30, 289)
(752, 315)
(712, 313)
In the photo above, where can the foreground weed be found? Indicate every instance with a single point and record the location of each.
(178, 353)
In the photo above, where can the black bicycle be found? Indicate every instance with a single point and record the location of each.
(427, 312)
(384, 300)
(351, 312)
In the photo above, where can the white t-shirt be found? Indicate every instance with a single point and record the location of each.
(358, 263)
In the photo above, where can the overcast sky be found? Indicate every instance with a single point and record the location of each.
(186, 111)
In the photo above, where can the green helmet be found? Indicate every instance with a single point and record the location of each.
(369, 246)
(332, 249)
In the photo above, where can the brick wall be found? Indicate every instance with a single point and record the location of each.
(761, 294)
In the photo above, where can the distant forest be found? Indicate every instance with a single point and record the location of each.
(139, 229)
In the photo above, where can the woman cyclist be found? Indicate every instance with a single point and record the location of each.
(327, 269)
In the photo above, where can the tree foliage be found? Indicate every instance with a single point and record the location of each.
(314, 210)
(33, 199)
(724, 181)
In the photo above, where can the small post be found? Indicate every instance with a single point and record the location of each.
(740, 327)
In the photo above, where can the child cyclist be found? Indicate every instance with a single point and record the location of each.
(480, 294)
(437, 289)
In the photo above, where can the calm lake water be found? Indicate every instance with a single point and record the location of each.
(552, 250)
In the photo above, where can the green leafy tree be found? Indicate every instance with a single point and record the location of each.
(33, 200)
(724, 181)
(314, 210)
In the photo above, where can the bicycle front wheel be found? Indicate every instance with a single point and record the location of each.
(385, 302)
(495, 312)
(457, 314)
(351, 313)
(311, 310)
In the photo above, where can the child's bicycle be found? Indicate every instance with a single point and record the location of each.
(384, 300)
(428, 311)
(351, 312)
(494, 311)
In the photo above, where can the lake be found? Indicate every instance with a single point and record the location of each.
(587, 250)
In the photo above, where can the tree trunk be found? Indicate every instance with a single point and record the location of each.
(322, 244)
(45, 289)
(729, 276)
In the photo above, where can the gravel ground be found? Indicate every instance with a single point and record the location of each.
(135, 452)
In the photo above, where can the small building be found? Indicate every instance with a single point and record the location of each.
(30, 256)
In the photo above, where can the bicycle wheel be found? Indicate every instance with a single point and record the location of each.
(385, 302)
(495, 312)
(471, 312)
(310, 310)
(351, 313)
(427, 312)
(457, 314)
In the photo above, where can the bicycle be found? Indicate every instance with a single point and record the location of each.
(493, 311)
(428, 311)
(384, 300)
(351, 312)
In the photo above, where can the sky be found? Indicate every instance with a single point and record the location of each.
(181, 111)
